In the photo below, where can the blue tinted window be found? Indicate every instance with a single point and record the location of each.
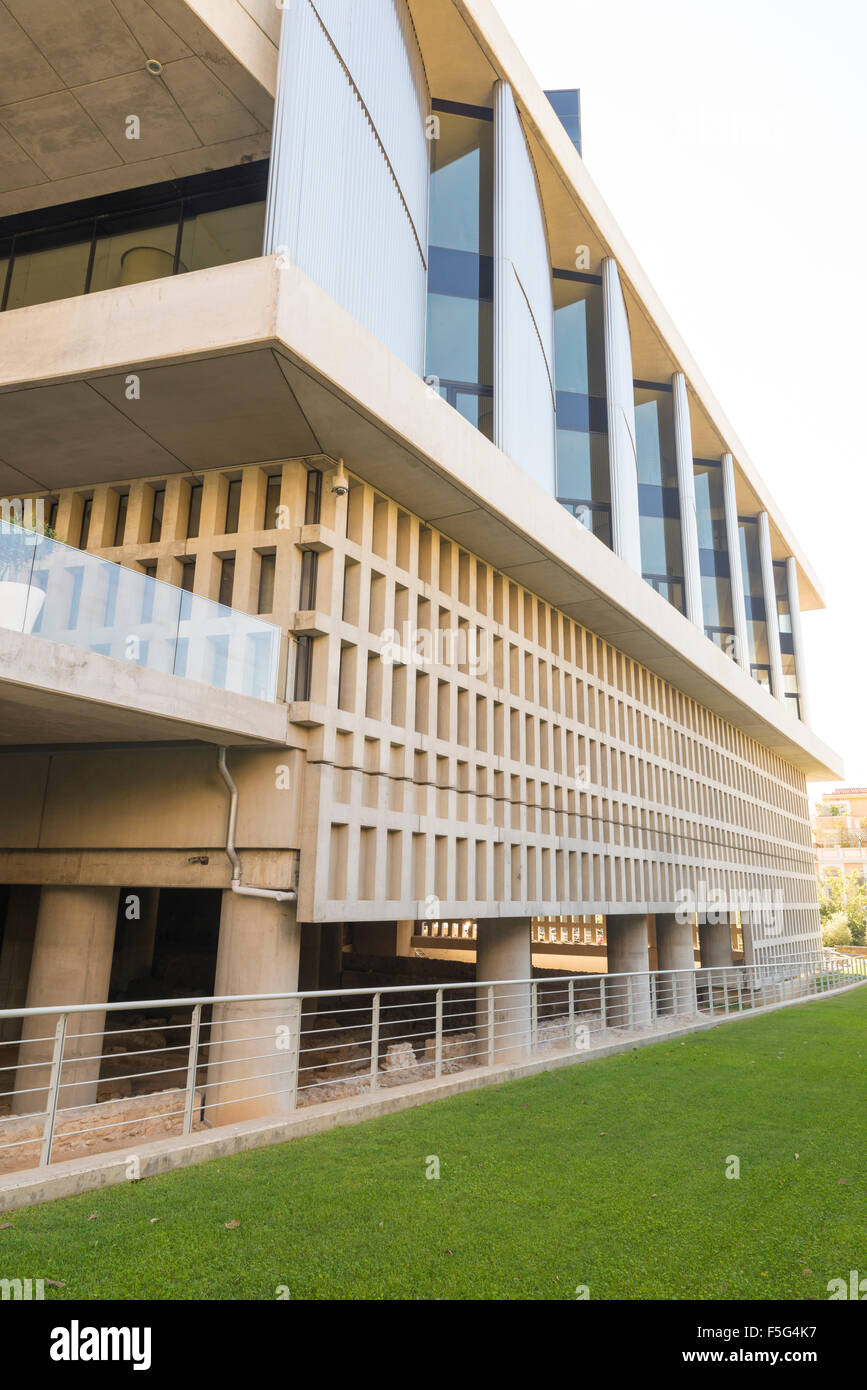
(460, 279)
(583, 483)
(658, 495)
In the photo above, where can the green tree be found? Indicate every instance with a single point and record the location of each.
(845, 896)
(835, 931)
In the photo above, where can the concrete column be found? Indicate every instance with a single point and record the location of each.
(715, 950)
(308, 963)
(628, 1002)
(733, 542)
(331, 955)
(772, 615)
(252, 1046)
(675, 993)
(693, 604)
(16, 951)
(715, 944)
(135, 956)
(309, 957)
(627, 954)
(749, 944)
(503, 952)
(622, 450)
(405, 933)
(71, 964)
(797, 635)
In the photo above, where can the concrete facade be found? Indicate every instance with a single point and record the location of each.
(482, 712)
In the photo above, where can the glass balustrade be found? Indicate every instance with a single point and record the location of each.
(51, 590)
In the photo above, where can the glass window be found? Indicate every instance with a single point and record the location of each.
(309, 574)
(313, 500)
(120, 522)
(583, 479)
(781, 585)
(49, 265)
(303, 667)
(227, 581)
(135, 246)
(757, 627)
(195, 512)
(267, 575)
(460, 333)
(188, 575)
(460, 277)
(233, 507)
(157, 515)
(658, 496)
(272, 502)
(182, 228)
(220, 228)
(714, 564)
(5, 263)
(791, 692)
(84, 534)
(567, 104)
(462, 183)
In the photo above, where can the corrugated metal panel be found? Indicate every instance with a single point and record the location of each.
(524, 412)
(348, 193)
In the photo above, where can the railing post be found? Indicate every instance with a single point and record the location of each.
(572, 1038)
(374, 1043)
(631, 1003)
(652, 997)
(295, 1078)
(740, 992)
(438, 1035)
(534, 1017)
(602, 1003)
(491, 1050)
(710, 991)
(192, 1063)
(53, 1091)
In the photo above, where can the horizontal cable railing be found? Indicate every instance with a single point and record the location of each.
(90, 1078)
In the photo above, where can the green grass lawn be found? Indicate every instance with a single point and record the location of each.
(610, 1174)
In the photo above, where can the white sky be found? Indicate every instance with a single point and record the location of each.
(730, 142)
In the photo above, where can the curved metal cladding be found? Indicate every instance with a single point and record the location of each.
(622, 447)
(524, 401)
(348, 186)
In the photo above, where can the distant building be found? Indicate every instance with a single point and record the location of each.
(840, 834)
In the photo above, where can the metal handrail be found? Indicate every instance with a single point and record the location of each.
(369, 1041)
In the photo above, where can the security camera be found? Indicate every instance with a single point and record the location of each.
(340, 483)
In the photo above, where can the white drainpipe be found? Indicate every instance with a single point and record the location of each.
(279, 895)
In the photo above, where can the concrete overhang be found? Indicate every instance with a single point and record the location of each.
(73, 75)
(252, 363)
(56, 695)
